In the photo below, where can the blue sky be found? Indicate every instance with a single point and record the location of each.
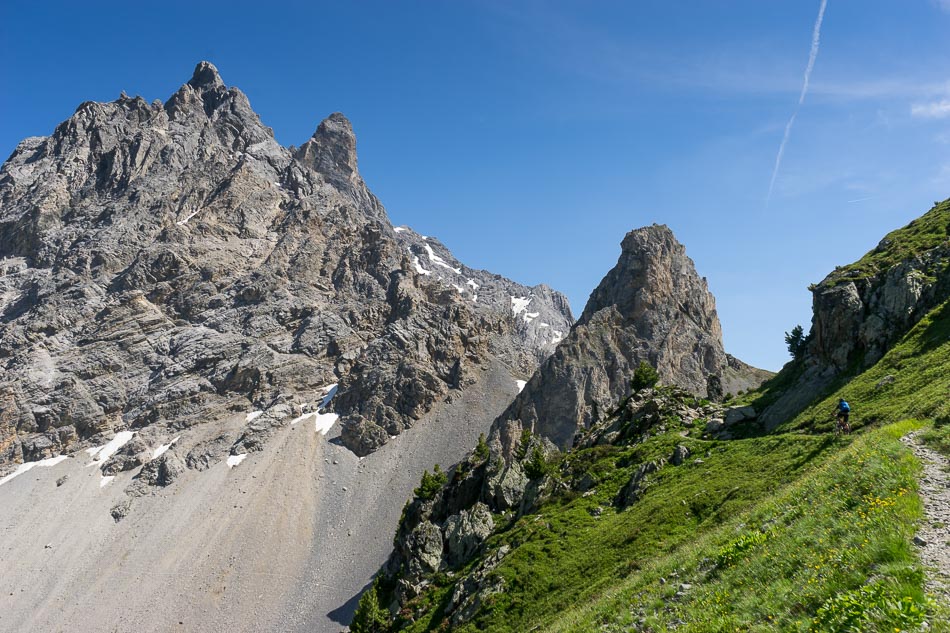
(530, 136)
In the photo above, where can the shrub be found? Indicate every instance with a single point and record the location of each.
(877, 606)
(481, 449)
(538, 466)
(370, 617)
(730, 553)
(431, 484)
(644, 377)
(797, 341)
(522, 451)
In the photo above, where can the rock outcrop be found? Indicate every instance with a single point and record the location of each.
(444, 536)
(167, 264)
(860, 311)
(652, 306)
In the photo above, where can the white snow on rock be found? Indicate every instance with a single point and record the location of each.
(323, 422)
(158, 452)
(253, 415)
(234, 460)
(102, 453)
(519, 305)
(400, 229)
(22, 468)
(419, 268)
(521, 384)
(438, 261)
(543, 324)
(460, 289)
(106, 480)
(187, 217)
(471, 282)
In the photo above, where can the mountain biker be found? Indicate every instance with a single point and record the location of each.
(842, 411)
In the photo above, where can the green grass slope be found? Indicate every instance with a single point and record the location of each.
(830, 551)
(926, 232)
(794, 531)
(911, 381)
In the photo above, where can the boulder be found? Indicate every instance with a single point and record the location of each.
(424, 545)
(634, 488)
(680, 455)
(465, 532)
(736, 415)
(505, 485)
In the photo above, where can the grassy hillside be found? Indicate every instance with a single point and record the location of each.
(911, 381)
(926, 232)
(829, 552)
(794, 531)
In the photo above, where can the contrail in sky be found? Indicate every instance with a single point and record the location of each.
(812, 56)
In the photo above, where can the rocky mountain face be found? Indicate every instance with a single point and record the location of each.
(167, 264)
(652, 306)
(444, 531)
(861, 310)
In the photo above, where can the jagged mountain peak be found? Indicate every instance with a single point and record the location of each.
(177, 286)
(652, 306)
(206, 76)
(653, 273)
(332, 148)
(257, 272)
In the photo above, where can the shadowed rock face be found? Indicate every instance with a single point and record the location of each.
(651, 306)
(170, 263)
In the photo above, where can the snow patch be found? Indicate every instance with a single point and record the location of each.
(22, 468)
(158, 452)
(543, 324)
(521, 384)
(322, 421)
(253, 415)
(400, 229)
(109, 449)
(471, 282)
(438, 261)
(234, 460)
(519, 305)
(187, 217)
(419, 268)
(106, 480)
(460, 289)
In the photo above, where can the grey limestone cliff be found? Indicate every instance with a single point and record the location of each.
(167, 264)
(652, 306)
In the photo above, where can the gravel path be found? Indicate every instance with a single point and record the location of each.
(933, 536)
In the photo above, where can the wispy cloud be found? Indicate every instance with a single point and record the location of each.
(943, 4)
(933, 110)
(812, 56)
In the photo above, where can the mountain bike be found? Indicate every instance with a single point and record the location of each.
(842, 426)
